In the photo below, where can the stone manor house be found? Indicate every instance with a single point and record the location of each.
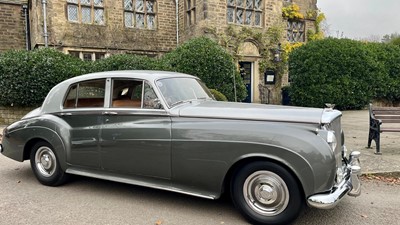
(94, 29)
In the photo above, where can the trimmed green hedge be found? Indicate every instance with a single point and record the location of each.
(27, 76)
(129, 62)
(344, 72)
(204, 58)
(218, 95)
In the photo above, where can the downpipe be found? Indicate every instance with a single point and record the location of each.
(45, 34)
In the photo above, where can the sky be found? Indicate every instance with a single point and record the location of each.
(361, 19)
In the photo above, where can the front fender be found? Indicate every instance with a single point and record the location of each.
(221, 145)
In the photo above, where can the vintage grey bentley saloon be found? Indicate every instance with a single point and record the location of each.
(164, 130)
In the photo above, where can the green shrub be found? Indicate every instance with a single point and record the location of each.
(129, 62)
(388, 57)
(339, 71)
(27, 76)
(395, 41)
(207, 60)
(218, 95)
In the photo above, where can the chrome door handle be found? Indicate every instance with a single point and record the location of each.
(110, 113)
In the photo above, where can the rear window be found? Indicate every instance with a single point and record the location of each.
(86, 94)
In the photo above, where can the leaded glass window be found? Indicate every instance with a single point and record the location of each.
(128, 19)
(86, 11)
(140, 14)
(249, 4)
(245, 12)
(85, 2)
(139, 6)
(72, 13)
(150, 6)
(151, 22)
(86, 15)
(139, 20)
(295, 31)
(128, 5)
(229, 15)
(98, 2)
(99, 16)
(191, 12)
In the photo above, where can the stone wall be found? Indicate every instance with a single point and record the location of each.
(112, 37)
(12, 25)
(9, 115)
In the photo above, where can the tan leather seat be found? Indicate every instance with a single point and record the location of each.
(127, 103)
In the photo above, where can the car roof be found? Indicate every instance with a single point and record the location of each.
(150, 75)
(54, 99)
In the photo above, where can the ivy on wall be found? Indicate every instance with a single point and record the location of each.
(266, 40)
(292, 12)
(318, 34)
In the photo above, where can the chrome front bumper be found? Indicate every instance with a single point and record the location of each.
(350, 185)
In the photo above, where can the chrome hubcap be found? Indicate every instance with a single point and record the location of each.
(266, 193)
(45, 161)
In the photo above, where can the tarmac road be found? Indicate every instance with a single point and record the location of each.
(23, 200)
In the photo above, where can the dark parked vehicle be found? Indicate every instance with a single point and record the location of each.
(164, 130)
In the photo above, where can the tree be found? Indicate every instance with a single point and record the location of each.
(389, 37)
(395, 41)
(204, 58)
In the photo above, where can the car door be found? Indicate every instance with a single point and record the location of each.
(136, 134)
(83, 112)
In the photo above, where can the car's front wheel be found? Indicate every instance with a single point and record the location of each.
(266, 193)
(45, 165)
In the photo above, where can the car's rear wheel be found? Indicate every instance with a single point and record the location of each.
(266, 193)
(45, 165)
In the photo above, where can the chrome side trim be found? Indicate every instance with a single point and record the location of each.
(128, 180)
(350, 185)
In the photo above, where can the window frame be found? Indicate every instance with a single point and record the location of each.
(145, 14)
(76, 102)
(190, 12)
(95, 55)
(143, 83)
(93, 8)
(245, 9)
(289, 29)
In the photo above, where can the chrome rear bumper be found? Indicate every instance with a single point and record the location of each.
(350, 185)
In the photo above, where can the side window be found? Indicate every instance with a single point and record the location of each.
(127, 93)
(86, 94)
(133, 94)
(150, 98)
